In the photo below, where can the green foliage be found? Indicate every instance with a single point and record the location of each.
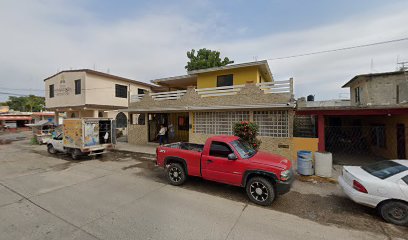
(205, 58)
(34, 141)
(29, 103)
(247, 131)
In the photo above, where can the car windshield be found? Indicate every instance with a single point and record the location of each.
(243, 148)
(385, 169)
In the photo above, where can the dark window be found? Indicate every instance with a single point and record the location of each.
(182, 123)
(140, 91)
(121, 120)
(121, 91)
(405, 179)
(220, 149)
(51, 90)
(225, 80)
(398, 101)
(385, 169)
(378, 136)
(357, 94)
(77, 86)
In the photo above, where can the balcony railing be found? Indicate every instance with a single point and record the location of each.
(219, 91)
(173, 95)
(267, 87)
(276, 87)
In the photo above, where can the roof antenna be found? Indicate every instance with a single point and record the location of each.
(372, 66)
(94, 67)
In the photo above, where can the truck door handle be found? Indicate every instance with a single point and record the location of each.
(209, 161)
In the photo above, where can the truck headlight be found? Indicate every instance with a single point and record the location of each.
(285, 175)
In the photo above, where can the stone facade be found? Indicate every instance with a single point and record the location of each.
(250, 95)
(137, 134)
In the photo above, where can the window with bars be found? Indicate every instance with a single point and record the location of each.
(272, 123)
(217, 122)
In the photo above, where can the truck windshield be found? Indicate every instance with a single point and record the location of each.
(385, 169)
(244, 148)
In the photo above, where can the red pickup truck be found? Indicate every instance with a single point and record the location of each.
(230, 160)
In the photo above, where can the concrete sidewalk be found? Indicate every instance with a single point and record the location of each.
(148, 148)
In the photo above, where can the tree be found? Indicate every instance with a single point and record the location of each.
(29, 103)
(205, 58)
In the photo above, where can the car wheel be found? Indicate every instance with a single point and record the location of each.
(395, 212)
(260, 191)
(176, 174)
(51, 149)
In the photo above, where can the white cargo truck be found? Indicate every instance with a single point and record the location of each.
(84, 137)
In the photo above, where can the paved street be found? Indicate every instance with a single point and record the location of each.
(124, 196)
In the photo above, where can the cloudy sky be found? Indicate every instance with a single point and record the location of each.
(144, 40)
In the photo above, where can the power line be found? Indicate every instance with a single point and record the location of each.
(339, 49)
(13, 94)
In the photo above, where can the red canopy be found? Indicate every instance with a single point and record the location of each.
(11, 118)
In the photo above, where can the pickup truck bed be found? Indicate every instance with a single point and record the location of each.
(186, 146)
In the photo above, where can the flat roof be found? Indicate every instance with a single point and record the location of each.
(372, 75)
(191, 76)
(102, 74)
(176, 79)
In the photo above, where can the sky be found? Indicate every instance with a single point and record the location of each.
(145, 40)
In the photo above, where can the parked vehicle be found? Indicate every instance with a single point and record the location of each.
(230, 160)
(382, 185)
(84, 137)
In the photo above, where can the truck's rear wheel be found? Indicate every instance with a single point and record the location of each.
(75, 154)
(51, 149)
(260, 191)
(176, 174)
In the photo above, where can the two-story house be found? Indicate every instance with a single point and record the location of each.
(88, 93)
(209, 101)
(373, 123)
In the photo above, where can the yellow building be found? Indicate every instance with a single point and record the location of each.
(209, 101)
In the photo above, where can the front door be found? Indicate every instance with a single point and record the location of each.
(217, 167)
(401, 141)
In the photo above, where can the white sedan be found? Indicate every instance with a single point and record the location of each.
(382, 185)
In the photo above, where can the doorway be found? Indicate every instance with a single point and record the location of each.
(401, 151)
(154, 122)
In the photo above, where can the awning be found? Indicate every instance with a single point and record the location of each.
(40, 123)
(13, 118)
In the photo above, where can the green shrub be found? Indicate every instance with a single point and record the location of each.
(247, 131)
(34, 141)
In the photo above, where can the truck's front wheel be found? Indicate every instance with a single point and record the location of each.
(176, 174)
(51, 149)
(260, 191)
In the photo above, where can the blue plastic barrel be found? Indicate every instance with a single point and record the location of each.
(305, 163)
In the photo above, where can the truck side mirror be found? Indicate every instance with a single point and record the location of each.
(232, 156)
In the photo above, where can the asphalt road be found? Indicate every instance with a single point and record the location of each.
(124, 196)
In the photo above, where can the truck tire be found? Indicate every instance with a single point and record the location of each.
(260, 191)
(75, 154)
(395, 212)
(51, 149)
(176, 174)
